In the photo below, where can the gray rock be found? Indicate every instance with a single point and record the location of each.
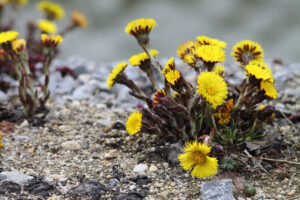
(15, 177)
(175, 149)
(22, 137)
(3, 96)
(84, 144)
(35, 131)
(113, 182)
(66, 85)
(103, 123)
(87, 90)
(80, 69)
(217, 190)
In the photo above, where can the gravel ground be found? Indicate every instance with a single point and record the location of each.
(83, 151)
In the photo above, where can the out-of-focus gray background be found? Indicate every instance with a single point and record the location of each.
(275, 24)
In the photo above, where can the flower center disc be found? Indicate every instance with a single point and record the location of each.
(210, 90)
(199, 157)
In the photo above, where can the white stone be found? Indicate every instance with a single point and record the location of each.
(153, 169)
(15, 177)
(140, 168)
(71, 145)
(132, 187)
(24, 124)
(165, 165)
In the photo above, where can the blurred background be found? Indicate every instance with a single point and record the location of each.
(275, 24)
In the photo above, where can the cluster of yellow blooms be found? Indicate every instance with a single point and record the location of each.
(54, 11)
(185, 112)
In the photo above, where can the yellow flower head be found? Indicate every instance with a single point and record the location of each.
(196, 156)
(224, 112)
(170, 65)
(140, 26)
(47, 26)
(173, 76)
(17, 2)
(204, 40)
(212, 87)
(79, 19)
(158, 94)
(134, 123)
(139, 59)
(269, 89)
(220, 69)
(19, 45)
(260, 70)
(115, 73)
(264, 66)
(51, 40)
(52, 10)
(8, 36)
(247, 50)
(210, 53)
(186, 51)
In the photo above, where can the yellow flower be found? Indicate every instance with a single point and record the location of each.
(115, 73)
(212, 87)
(170, 65)
(186, 51)
(259, 70)
(196, 156)
(140, 26)
(18, 45)
(172, 76)
(204, 40)
(139, 59)
(158, 94)
(220, 70)
(134, 123)
(8, 36)
(79, 19)
(224, 112)
(269, 89)
(52, 10)
(18, 2)
(247, 50)
(264, 66)
(210, 53)
(51, 40)
(47, 26)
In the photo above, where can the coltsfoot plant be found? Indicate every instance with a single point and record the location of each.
(209, 112)
(18, 57)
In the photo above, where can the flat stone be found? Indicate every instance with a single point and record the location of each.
(140, 168)
(15, 177)
(71, 145)
(22, 137)
(217, 190)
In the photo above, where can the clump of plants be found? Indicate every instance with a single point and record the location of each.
(18, 57)
(209, 114)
